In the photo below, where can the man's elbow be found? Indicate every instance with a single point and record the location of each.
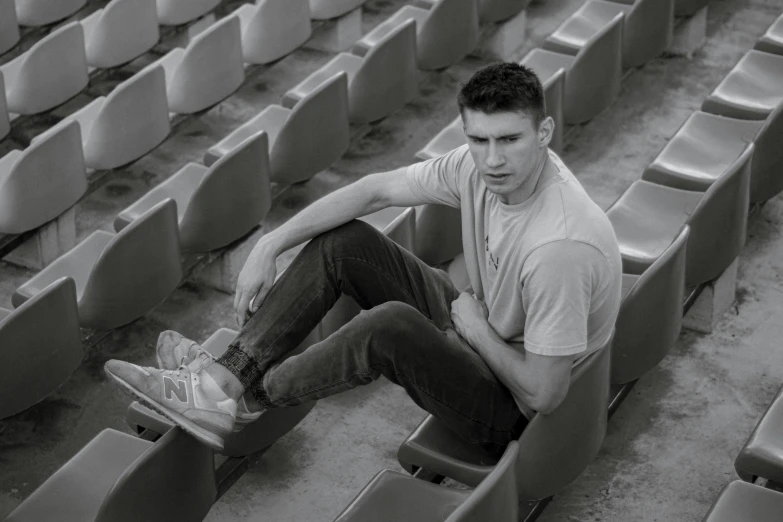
(547, 401)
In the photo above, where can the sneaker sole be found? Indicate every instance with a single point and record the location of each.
(206, 437)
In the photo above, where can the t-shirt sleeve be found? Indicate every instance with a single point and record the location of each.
(557, 281)
(440, 180)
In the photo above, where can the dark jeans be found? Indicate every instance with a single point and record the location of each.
(404, 333)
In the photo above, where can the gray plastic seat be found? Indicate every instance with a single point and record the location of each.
(751, 90)
(438, 235)
(647, 218)
(9, 30)
(120, 478)
(320, 120)
(740, 501)
(499, 10)
(553, 449)
(326, 9)
(176, 12)
(398, 224)
(120, 32)
(401, 498)
(208, 70)
(651, 313)
(273, 28)
(707, 144)
(119, 277)
(5, 124)
(41, 346)
(128, 123)
(762, 454)
(259, 434)
(44, 12)
(215, 205)
(379, 84)
(593, 70)
(772, 40)
(50, 73)
(43, 181)
(445, 33)
(688, 7)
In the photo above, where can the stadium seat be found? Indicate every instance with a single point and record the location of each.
(445, 33)
(120, 32)
(438, 235)
(592, 79)
(553, 449)
(119, 277)
(215, 205)
(449, 138)
(41, 182)
(379, 84)
(320, 121)
(176, 12)
(41, 346)
(398, 224)
(762, 455)
(9, 30)
(128, 123)
(751, 90)
(207, 71)
(117, 477)
(51, 72)
(651, 313)
(707, 144)
(404, 499)
(688, 7)
(647, 218)
(273, 28)
(326, 9)
(499, 10)
(44, 12)
(772, 40)
(262, 433)
(740, 501)
(5, 124)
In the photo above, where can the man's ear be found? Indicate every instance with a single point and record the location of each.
(546, 130)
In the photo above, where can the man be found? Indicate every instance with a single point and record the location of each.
(541, 257)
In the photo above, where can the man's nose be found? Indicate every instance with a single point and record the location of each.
(494, 156)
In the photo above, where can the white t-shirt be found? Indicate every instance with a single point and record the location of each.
(549, 268)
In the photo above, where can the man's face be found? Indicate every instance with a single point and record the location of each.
(506, 147)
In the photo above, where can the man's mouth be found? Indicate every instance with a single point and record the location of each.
(497, 177)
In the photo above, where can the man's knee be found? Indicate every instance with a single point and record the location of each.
(341, 239)
(394, 327)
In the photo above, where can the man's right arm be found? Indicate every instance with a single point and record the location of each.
(365, 196)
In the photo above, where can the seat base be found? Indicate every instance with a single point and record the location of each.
(50, 241)
(270, 120)
(338, 34)
(690, 35)
(714, 301)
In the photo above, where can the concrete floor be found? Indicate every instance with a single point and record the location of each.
(670, 447)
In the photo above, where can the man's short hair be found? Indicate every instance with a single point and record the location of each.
(504, 87)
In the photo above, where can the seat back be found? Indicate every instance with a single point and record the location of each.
(211, 68)
(650, 316)
(46, 179)
(688, 7)
(51, 72)
(5, 124)
(438, 236)
(176, 12)
(765, 180)
(172, 480)
(555, 448)
(719, 223)
(448, 34)
(125, 29)
(326, 9)
(593, 81)
(277, 28)
(9, 30)
(139, 268)
(41, 346)
(134, 119)
(554, 99)
(497, 10)
(495, 498)
(43, 12)
(320, 120)
(232, 198)
(388, 77)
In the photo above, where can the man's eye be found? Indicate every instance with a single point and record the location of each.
(478, 140)
(509, 140)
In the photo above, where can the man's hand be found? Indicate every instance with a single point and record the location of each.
(468, 314)
(256, 279)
